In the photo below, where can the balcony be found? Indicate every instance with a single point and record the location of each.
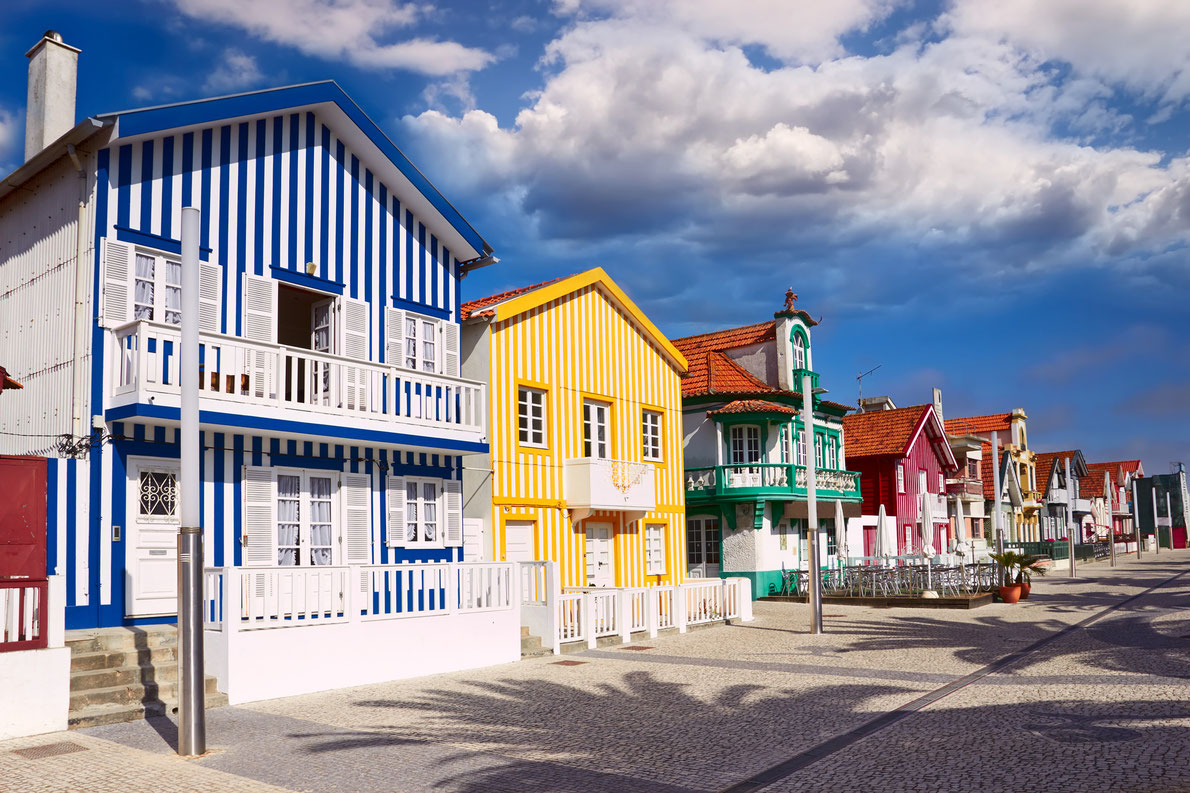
(965, 488)
(742, 482)
(797, 379)
(239, 377)
(1080, 505)
(590, 483)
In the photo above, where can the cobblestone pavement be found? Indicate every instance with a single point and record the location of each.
(1105, 706)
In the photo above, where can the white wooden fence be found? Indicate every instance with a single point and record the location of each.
(586, 614)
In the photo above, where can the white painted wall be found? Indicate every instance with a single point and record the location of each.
(759, 360)
(34, 692)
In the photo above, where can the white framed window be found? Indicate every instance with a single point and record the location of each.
(745, 444)
(650, 431)
(654, 549)
(421, 343)
(422, 501)
(799, 355)
(832, 452)
(304, 517)
(531, 416)
(157, 289)
(786, 445)
(801, 447)
(818, 461)
(900, 477)
(595, 429)
(941, 483)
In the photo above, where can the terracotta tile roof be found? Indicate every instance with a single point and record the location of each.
(694, 346)
(881, 431)
(753, 406)
(475, 308)
(1044, 462)
(715, 373)
(975, 425)
(1091, 485)
(986, 470)
(837, 405)
(1130, 466)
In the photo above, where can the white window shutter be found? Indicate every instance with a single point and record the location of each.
(357, 526)
(450, 338)
(210, 289)
(394, 329)
(396, 511)
(117, 283)
(260, 506)
(260, 306)
(355, 329)
(454, 513)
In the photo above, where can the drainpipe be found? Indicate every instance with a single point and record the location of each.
(81, 314)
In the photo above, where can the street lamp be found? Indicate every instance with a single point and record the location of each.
(815, 587)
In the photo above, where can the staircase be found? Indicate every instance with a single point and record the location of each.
(125, 674)
(531, 645)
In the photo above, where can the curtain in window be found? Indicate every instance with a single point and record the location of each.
(320, 520)
(411, 512)
(143, 298)
(430, 523)
(289, 493)
(173, 293)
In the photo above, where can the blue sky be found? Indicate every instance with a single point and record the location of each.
(990, 198)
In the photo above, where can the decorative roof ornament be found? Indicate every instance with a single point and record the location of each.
(790, 299)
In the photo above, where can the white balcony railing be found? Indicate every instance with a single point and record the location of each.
(591, 484)
(240, 374)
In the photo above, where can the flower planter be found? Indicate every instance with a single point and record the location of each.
(1025, 587)
(1010, 594)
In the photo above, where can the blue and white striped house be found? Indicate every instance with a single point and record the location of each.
(333, 418)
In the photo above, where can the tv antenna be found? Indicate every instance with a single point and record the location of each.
(860, 379)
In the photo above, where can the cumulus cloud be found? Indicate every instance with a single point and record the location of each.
(356, 31)
(236, 71)
(648, 126)
(11, 138)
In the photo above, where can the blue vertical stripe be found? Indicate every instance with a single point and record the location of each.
(51, 515)
(353, 264)
(296, 262)
(257, 450)
(278, 132)
(408, 294)
(258, 242)
(435, 268)
(123, 188)
(205, 206)
(380, 313)
(421, 263)
(369, 220)
(237, 501)
(146, 186)
(219, 477)
(241, 221)
(167, 187)
(224, 212)
(339, 210)
(309, 178)
(324, 262)
(188, 169)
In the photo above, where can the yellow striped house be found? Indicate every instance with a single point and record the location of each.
(585, 404)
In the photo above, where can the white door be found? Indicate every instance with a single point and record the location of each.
(474, 540)
(518, 541)
(322, 339)
(702, 548)
(151, 539)
(599, 555)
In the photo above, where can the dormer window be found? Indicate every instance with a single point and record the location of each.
(799, 351)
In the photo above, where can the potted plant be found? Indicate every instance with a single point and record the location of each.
(1028, 566)
(1018, 569)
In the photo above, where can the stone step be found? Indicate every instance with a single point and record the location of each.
(89, 679)
(165, 691)
(95, 715)
(114, 659)
(109, 639)
(524, 631)
(531, 647)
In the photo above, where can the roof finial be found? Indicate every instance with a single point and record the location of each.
(790, 298)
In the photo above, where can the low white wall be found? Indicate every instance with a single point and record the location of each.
(283, 662)
(34, 691)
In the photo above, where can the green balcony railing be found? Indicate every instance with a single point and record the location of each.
(766, 479)
(797, 379)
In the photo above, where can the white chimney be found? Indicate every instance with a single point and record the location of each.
(49, 110)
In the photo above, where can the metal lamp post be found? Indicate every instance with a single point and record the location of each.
(815, 588)
(1070, 516)
(192, 725)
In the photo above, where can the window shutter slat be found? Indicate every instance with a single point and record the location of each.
(394, 327)
(210, 290)
(357, 491)
(355, 329)
(117, 283)
(260, 504)
(454, 513)
(259, 309)
(450, 332)
(396, 512)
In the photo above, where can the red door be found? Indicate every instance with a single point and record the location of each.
(22, 518)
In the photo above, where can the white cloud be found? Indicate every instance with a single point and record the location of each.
(236, 71)
(646, 129)
(11, 138)
(356, 31)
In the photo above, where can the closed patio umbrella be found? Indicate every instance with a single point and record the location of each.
(840, 532)
(881, 546)
(960, 531)
(927, 525)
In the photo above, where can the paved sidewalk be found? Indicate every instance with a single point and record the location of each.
(1102, 707)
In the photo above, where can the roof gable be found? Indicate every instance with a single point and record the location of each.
(976, 425)
(894, 432)
(349, 121)
(517, 301)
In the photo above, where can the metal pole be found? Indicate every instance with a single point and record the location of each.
(815, 588)
(1156, 526)
(1111, 530)
(192, 717)
(1136, 523)
(996, 517)
(1070, 515)
(1168, 517)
